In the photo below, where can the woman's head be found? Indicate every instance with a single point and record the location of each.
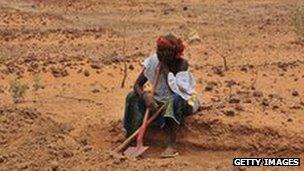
(169, 49)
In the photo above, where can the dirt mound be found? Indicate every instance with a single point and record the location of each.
(31, 141)
(216, 135)
(201, 132)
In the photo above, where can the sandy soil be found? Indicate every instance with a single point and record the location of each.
(70, 55)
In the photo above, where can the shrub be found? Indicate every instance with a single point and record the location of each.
(38, 83)
(17, 90)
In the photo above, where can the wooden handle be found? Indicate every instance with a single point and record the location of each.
(144, 125)
(157, 75)
(130, 138)
(142, 129)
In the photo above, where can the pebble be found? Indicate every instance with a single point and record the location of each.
(86, 73)
(209, 87)
(131, 67)
(95, 91)
(234, 100)
(87, 148)
(54, 166)
(295, 93)
(229, 112)
(257, 94)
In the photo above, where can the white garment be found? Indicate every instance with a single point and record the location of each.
(162, 90)
(182, 83)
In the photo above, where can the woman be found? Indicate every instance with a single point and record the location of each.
(174, 89)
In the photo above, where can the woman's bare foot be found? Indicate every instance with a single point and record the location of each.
(169, 152)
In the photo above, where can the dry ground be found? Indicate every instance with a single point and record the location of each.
(70, 55)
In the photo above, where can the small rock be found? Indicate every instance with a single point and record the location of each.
(229, 112)
(57, 72)
(205, 107)
(234, 100)
(196, 67)
(200, 81)
(248, 101)
(283, 66)
(295, 107)
(244, 68)
(230, 83)
(66, 127)
(295, 93)
(241, 169)
(209, 87)
(289, 120)
(67, 154)
(95, 91)
(117, 158)
(87, 148)
(54, 166)
(275, 107)
(257, 94)
(131, 67)
(23, 166)
(83, 141)
(168, 10)
(239, 108)
(218, 71)
(86, 73)
(95, 66)
(265, 102)
(220, 106)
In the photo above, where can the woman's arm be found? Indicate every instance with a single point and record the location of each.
(139, 83)
(139, 89)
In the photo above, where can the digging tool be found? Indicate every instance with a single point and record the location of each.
(130, 138)
(140, 148)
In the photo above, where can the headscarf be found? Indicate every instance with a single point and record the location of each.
(177, 45)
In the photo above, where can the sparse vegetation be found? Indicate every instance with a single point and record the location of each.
(298, 21)
(63, 63)
(38, 83)
(17, 90)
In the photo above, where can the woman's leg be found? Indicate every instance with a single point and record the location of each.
(171, 129)
(134, 112)
(176, 109)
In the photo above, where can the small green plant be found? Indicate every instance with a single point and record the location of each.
(17, 90)
(298, 21)
(38, 83)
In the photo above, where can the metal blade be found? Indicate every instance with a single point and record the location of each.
(134, 152)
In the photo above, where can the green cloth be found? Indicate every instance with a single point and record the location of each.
(175, 108)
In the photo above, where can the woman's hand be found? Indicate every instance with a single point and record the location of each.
(164, 69)
(149, 101)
